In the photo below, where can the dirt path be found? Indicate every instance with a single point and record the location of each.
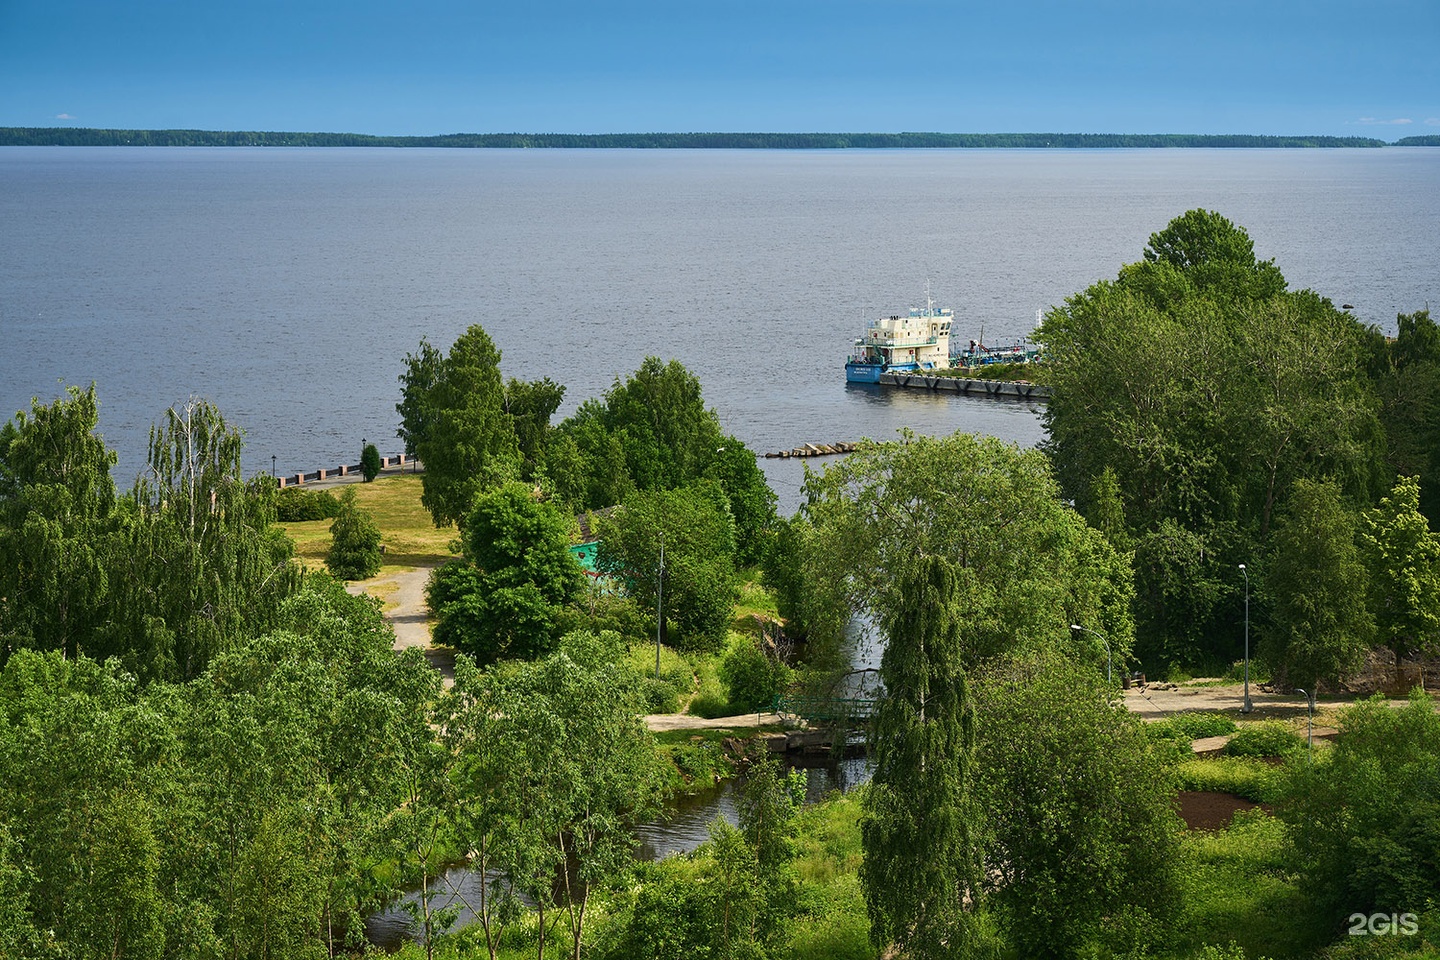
(409, 615)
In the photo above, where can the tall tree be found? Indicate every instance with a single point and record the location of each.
(752, 502)
(56, 502)
(921, 861)
(668, 434)
(694, 528)
(199, 564)
(499, 600)
(1028, 564)
(421, 375)
(531, 404)
(1402, 555)
(1409, 384)
(1319, 628)
(453, 410)
(1207, 389)
(1079, 824)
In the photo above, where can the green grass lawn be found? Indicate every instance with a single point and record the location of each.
(410, 537)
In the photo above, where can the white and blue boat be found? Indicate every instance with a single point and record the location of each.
(896, 344)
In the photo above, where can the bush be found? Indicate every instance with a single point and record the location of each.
(1365, 822)
(1194, 726)
(1246, 777)
(1272, 738)
(369, 462)
(1179, 730)
(659, 696)
(751, 677)
(354, 542)
(298, 505)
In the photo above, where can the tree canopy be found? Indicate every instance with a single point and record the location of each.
(1207, 389)
(453, 414)
(166, 577)
(1028, 566)
(500, 599)
(694, 526)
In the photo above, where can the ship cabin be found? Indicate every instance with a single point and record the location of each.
(919, 341)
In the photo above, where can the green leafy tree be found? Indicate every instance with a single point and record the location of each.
(1028, 565)
(422, 373)
(530, 405)
(767, 806)
(1181, 581)
(1207, 389)
(237, 815)
(921, 852)
(1320, 623)
(1402, 555)
(18, 935)
(113, 907)
(752, 502)
(698, 535)
(501, 599)
(196, 566)
(668, 435)
(354, 552)
(56, 506)
(753, 677)
(453, 411)
(1408, 378)
(1078, 824)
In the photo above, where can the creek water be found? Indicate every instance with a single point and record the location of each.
(684, 826)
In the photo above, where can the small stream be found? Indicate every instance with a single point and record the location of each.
(684, 826)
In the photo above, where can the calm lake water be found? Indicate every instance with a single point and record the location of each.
(287, 284)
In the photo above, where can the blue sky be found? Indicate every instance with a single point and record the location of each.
(1339, 67)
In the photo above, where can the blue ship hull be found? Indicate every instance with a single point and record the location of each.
(863, 372)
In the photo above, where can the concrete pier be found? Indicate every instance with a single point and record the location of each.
(1003, 389)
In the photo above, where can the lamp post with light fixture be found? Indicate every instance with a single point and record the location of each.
(1247, 706)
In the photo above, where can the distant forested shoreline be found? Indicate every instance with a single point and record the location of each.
(91, 137)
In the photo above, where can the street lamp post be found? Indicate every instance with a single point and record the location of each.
(272, 466)
(659, 603)
(1247, 706)
(1103, 639)
(1309, 721)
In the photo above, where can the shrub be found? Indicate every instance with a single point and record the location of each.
(1194, 726)
(1179, 730)
(752, 678)
(298, 505)
(1272, 738)
(659, 696)
(1245, 777)
(369, 462)
(1365, 824)
(354, 542)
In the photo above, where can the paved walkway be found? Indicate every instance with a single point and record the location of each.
(664, 722)
(1150, 702)
(356, 477)
(409, 616)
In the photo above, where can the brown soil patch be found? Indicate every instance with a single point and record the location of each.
(1210, 810)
